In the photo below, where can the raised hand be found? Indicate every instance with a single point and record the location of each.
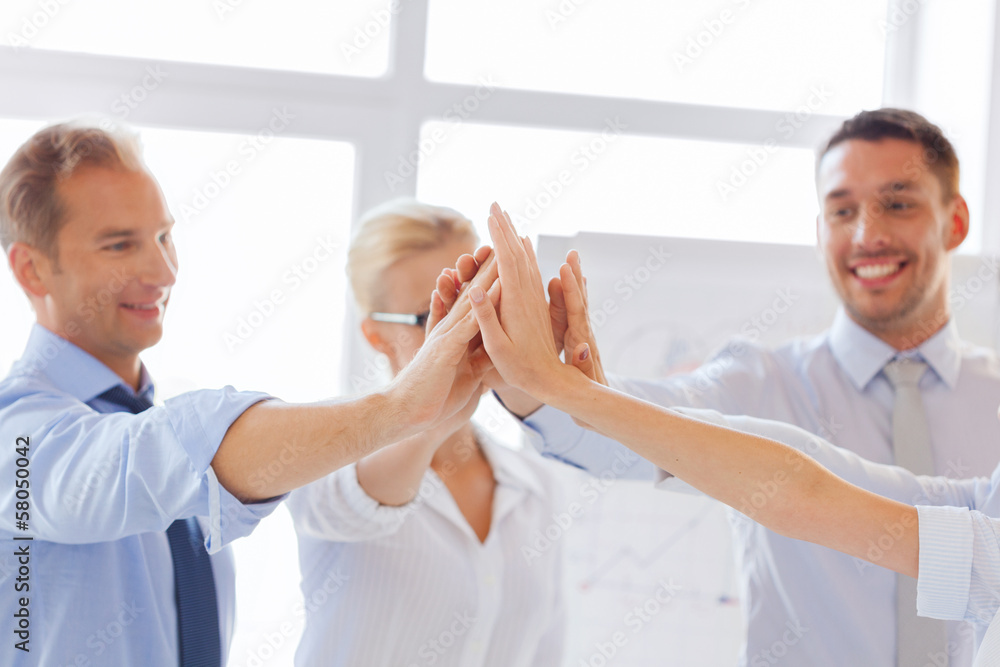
(448, 370)
(568, 299)
(449, 284)
(517, 335)
(466, 268)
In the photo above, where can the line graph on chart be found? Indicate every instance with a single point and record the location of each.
(657, 567)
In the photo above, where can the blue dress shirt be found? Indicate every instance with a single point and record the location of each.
(104, 488)
(831, 385)
(959, 575)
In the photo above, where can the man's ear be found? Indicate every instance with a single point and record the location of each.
(369, 328)
(958, 223)
(29, 266)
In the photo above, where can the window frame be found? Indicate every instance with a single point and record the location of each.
(383, 116)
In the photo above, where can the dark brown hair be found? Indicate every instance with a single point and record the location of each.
(938, 155)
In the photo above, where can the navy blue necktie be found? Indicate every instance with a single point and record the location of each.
(194, 582)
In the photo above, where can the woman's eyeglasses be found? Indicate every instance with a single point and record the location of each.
(416, 319)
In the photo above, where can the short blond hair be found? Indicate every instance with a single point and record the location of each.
(393, 231)
(30, 210)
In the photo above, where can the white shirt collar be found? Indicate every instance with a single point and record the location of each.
(862, 354)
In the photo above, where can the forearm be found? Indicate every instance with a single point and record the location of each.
(275, 447)
(392, 475)
(787, 490)
(518, 403)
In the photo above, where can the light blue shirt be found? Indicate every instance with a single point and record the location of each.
(831, 385)
(960, 572)
(959, 575)
(103, 489)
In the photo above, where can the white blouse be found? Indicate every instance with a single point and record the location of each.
(412, 585)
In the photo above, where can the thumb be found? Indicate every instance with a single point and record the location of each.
(494, 337)
(584, 360)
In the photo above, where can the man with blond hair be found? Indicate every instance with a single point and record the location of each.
(118, 511)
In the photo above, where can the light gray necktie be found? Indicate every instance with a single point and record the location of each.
(919, 641)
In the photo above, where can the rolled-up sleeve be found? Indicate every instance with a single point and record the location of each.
(959, 572)
(101, 477)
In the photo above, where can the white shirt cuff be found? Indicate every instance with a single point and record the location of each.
(945, 572)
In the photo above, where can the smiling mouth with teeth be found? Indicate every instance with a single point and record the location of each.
(876, 271)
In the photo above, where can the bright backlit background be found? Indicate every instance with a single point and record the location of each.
(636, 117)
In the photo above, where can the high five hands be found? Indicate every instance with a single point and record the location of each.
(522, 333)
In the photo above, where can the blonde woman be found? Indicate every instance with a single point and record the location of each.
(416, 555)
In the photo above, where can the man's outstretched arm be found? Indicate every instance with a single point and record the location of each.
(436, 384)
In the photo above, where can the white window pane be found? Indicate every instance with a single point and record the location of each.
(953, 90)
(723, 52)
(262, 232)
(557, 182)
(307, 35)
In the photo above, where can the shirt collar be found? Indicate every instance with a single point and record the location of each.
(72, 370)
(509, 467)
(862, 354)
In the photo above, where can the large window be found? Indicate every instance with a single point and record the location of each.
(328, 37)
(741, 53)
(559, 182)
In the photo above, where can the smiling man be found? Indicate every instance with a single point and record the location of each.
(119, 511)
(890, 380)
(891, 213)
